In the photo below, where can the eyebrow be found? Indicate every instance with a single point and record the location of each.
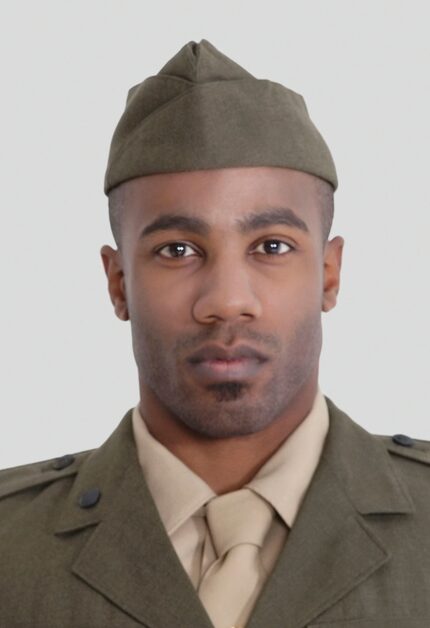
(256, 220)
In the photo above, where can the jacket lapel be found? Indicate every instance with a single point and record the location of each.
(129, 558)
(331, 548)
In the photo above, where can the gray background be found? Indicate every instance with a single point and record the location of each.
(67, 369)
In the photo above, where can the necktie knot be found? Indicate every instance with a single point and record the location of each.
(238, 517)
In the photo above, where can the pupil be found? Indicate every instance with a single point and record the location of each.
(177, 247)
(272, 246)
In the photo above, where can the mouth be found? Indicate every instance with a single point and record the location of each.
(216, 370)
(214, 352)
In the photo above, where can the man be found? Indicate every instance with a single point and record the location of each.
(234, 493)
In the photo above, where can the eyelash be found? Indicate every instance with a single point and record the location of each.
(158, 251)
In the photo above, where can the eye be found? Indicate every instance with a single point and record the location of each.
(272, 247)
(177, 248)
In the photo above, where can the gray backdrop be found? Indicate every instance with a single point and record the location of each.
(67, 370)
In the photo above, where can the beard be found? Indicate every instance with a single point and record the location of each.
(232, 407)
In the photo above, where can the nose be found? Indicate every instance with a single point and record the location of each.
(226, 293)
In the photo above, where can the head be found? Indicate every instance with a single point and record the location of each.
(248, 263)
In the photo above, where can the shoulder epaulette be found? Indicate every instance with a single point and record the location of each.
(407, 447)
(17, 479)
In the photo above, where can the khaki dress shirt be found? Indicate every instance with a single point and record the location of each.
(180, 494)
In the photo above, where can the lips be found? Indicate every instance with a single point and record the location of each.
(218, 371)
(216, 352)
(214, 363)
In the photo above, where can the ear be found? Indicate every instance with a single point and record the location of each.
(332, 266)
(116, 284)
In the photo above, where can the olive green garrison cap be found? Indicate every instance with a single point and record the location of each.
(202, 111)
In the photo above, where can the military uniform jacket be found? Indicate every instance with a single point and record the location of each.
(82, 544)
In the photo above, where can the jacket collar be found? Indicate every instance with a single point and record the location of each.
(129, 556)
(332, 547)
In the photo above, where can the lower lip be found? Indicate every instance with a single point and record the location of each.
(220, 370)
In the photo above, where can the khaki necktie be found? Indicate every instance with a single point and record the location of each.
(238, 523)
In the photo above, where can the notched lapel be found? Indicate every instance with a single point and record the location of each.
(331, 548)
(131, 561)
(129, 558)
(328, 552)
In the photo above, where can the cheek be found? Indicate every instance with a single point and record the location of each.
(293, 312)
(159, 298)
(298, 292)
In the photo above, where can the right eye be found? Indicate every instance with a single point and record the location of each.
(177, 248)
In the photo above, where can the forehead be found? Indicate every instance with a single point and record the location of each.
(221, 197)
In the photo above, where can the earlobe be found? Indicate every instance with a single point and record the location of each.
(332, 268)
(112, 264)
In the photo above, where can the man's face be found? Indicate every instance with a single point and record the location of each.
(188, 285)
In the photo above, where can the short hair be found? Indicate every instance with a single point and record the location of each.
(325, 194)
(324, 190)
(116, 203)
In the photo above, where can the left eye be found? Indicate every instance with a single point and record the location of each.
(270, 247)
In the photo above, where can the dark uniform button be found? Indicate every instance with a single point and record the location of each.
(63, 462)
(402, 439)
(89, 498)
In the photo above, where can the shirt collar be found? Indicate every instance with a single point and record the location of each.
(179, 493)
(285, 477)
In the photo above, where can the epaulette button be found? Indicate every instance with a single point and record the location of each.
(402, 439)
(63, 462)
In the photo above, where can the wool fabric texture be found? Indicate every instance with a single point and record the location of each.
(203, 111)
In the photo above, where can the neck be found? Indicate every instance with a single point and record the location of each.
(225, 464)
